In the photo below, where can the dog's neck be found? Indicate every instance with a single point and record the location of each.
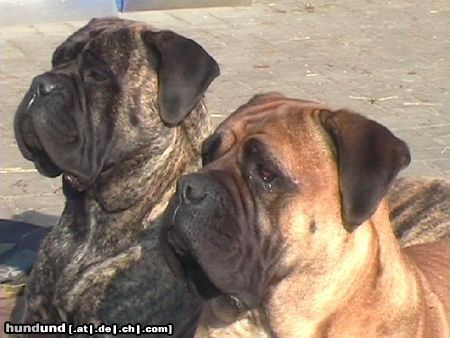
(371, 291)
(129, 198)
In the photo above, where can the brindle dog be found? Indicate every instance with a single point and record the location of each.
(419, 209)
(120, 115)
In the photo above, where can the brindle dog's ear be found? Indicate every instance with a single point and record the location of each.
(369, 157)
(185, 72)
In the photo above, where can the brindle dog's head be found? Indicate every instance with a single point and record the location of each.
(285, 183)
(115, 87)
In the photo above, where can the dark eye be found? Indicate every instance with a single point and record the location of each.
(95, 75)
(265, 174)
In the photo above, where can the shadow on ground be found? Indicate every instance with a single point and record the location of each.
(37, 218)
(20, 242)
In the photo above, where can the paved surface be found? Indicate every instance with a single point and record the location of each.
(385, 59)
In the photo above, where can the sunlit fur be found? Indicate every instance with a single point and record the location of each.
(340, 283)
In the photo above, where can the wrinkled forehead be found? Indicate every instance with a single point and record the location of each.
(288, 131)
(279, 121)
(111, 41)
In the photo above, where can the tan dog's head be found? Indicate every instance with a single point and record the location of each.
(285, 184)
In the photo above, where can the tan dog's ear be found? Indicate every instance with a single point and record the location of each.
(369, 157)
(265, 97)
(185, 71)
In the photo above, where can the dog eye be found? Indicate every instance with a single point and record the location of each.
(266, 175)
(95, 76)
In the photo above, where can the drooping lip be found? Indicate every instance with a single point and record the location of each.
(32, 149)
(47, 167)
(184, 265)
(26, 137)
(44, 164)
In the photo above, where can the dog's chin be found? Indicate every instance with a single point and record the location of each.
(44, 165)
(184, 265)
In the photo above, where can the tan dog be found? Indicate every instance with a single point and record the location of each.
(287, 223)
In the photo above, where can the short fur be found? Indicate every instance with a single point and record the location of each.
(114, 117)
(420, 209)
(263, 229)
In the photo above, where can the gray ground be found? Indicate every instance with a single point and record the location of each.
(385, 59)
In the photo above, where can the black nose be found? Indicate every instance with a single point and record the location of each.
(192, 189)
(45, 84)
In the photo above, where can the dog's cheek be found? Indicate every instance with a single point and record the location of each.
(101, 119)
(102, 110)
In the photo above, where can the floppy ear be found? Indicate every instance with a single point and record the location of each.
(264, 97)
(369, 157)
(210, 147)
(185, 72)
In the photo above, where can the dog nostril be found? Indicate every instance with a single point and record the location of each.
(46, 84)
(45, 87)
(188, 192)
(192, 189)
(194, 195)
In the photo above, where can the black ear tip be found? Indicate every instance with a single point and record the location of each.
(185, 71)
(211, 65)
(216, 72)
(355, 215)
(404, 155)
(350, 225)
(216, 67)
(213, 68)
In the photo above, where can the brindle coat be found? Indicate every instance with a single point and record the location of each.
(121, 116)
(420, 209)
